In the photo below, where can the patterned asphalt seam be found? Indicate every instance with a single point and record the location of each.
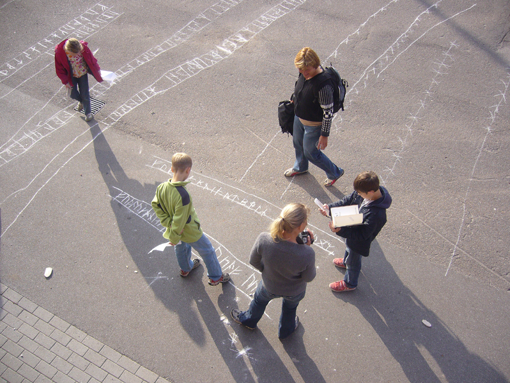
(37, 346)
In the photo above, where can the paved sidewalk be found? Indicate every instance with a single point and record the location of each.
(37, 346)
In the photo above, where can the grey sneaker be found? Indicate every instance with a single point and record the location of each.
(196, 263)
(223, 279)
(235, 316)
(89, 117)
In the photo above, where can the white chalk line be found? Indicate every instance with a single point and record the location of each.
(109, 125)
(397, 154)
(455, 244)
(53, 175)
(258, 156)
(28, 79)
(424, 33)
(492, 117)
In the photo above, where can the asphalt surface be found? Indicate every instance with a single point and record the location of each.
(426, 109)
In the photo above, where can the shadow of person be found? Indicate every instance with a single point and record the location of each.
(159, 265)
(315, 189)
(295, 348)
(395, 313)
(253, 346)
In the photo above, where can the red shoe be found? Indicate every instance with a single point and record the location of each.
(339, 262)
(291, 172)
(225, 277)
(340, 287)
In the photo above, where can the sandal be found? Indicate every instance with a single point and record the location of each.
(291, 172)
(330, 182)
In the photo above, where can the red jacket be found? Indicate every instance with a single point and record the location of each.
(63, 67)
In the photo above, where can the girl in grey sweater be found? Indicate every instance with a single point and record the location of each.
(286, 267)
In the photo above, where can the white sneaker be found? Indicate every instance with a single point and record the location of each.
(80, 107)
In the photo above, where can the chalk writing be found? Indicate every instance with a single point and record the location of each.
(191, 68)
(92, 20)
(193, 27)
(26, 140)
(226, 192)
(138, 207)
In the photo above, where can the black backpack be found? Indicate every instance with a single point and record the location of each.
(340, 87)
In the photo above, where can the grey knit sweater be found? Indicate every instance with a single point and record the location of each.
(286, 266)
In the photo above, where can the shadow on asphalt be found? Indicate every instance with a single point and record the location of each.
(188, 293)
(395, 313)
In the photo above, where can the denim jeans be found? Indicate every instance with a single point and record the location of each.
(82, 95)
(206, 250)
(352, 261)
(305, 139)
(258, 305)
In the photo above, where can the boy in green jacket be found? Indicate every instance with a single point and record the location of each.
(174, 208)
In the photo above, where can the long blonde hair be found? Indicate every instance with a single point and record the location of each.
(292, 216)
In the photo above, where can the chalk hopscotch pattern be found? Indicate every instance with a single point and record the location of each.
(81, 27)
(439, 69)
(170, 79)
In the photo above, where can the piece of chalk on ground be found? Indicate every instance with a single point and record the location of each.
(426, 323)
(48, 272)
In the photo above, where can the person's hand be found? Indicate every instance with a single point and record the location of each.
(311, 238)
(69, 86)
(333, 228)
(325, 210)
(323, 143)
(171, 244)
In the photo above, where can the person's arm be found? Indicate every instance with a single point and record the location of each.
(161, 213)
(256, 256)
(92, 63)
(60, 69)
(180, 219)
(347, 200)
(310, 271)
(326, 102)
(364, 231)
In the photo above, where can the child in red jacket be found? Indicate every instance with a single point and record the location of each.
(73, 60)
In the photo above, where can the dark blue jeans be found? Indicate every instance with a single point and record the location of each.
(82, 95)
(352, 261)
(258, 305)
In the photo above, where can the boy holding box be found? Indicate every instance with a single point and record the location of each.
(372, 201)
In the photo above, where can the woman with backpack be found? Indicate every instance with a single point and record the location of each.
(314, 110)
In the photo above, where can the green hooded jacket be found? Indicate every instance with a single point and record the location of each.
(174, 208)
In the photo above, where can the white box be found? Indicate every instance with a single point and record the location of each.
(346, 216)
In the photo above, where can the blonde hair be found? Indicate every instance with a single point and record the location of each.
(181, 161)
(307, 57)
(292, 216)
(73, 45)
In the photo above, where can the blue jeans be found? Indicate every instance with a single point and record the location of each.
(352, 261)
(82, 95)
(262, 297)
(206, 250)
(305, 139)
